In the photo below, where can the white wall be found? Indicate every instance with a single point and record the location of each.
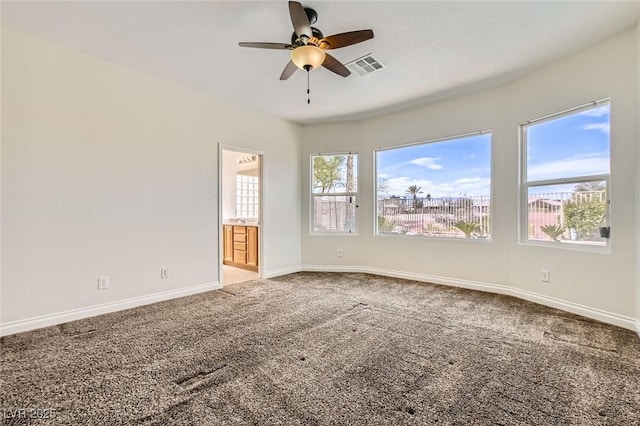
(601, 283)
(229, 184)
(230, 170)
(637, 263)
(107, 171)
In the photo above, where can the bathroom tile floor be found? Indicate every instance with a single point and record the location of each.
(234, 275)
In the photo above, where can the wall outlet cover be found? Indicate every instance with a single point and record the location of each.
(103, 282)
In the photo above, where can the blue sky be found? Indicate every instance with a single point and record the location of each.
(445, 168)
(575, 145)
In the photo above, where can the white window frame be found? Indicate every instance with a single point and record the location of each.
(376, 231)
(525, 184)
(313, 195)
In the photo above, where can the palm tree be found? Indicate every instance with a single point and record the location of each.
(427, 198)
(467, 227)
(553, 231)
(414, 190)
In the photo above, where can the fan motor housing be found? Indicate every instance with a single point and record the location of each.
(312, 15)
(314, 31)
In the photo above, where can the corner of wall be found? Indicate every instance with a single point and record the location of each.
(638, 189)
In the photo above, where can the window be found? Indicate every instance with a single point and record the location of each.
(565, 177)
(247, 196)
(334, 191)
(440, 188)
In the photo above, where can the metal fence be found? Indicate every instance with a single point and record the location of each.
(576, 216)
(436, 216)
(334, 213)
(451, 216)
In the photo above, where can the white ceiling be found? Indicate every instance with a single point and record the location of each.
(430, 49)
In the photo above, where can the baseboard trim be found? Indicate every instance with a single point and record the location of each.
(282, 271)
(575, 308)
(104, 308)
(90, 311)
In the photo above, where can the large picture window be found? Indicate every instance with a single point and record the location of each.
(334, 191)
(565, 177)
(438, 188)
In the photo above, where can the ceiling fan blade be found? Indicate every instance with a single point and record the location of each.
(288, 70)
(332, 64)
(259, 45)
(299, 19)
(345, 39)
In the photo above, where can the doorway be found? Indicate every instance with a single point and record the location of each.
(241, 214)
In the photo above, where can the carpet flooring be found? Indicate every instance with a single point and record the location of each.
(325, 349)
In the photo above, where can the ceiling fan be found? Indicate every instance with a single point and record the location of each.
(308, 44)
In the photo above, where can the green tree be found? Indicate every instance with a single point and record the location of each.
(327, 172)
(384, 224)
(585, 217)
(383, 191)
(413, 191)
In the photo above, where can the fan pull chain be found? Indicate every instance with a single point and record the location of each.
(308, 97)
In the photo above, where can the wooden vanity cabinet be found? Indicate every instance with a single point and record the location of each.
(241, 246)
(252, 246)
(228, 244)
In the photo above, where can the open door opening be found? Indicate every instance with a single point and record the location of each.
(241, 215)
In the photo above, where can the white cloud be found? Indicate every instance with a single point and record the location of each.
(428, 162)
(398, 185)
(471, 186)
(597, 112)
(581, 166)
(466, 181)
(603, 127)
(463, 186)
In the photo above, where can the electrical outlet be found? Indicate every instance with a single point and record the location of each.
(340, 252)
(545, 275)
(103, 282)
(164, 273)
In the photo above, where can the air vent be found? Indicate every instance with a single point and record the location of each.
(365, 65)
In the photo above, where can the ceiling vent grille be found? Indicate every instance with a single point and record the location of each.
(365, 65)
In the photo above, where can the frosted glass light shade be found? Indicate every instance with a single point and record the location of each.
(307, 55)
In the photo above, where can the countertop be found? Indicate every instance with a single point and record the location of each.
(255, 224)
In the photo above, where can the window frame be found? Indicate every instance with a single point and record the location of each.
(312, 196)
(525, 184)
(377, 233)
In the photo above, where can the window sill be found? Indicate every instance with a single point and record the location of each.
(333, 234)
(433, 238)
(566, 245)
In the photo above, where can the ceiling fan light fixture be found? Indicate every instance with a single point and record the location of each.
(307, 56)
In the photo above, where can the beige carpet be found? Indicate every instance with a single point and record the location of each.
(327, 349)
